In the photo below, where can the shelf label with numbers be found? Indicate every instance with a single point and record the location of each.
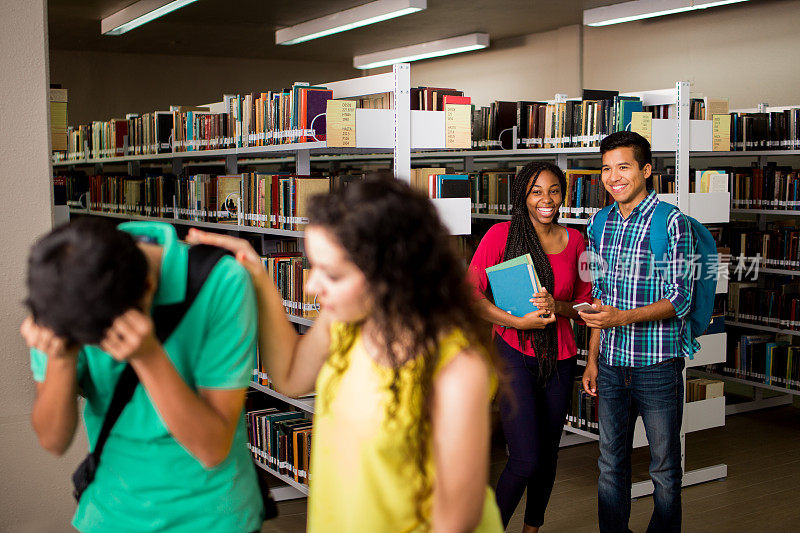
(341, 124)
(457, 126)
(642, 123)
(721, 133)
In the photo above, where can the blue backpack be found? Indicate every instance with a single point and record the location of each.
(705, 282)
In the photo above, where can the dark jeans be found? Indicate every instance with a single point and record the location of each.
(655, 392)
(533, 418)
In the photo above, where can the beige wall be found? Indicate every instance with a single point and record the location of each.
(743, 51)
(36, 495)
(104, 85)
(535, 66)
(746, 52)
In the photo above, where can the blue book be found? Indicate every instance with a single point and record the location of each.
(513, 284)
(626, 109)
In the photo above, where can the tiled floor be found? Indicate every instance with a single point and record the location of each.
(761, 493)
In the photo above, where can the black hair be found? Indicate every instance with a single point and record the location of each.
(83, 275)
(418, 287)
(629, 139)
(522, 239)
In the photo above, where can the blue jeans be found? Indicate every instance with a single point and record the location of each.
(655, 392)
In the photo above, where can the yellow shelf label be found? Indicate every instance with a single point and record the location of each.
(457, 126)
(341, 124)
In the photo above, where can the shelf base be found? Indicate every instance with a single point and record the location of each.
(693, 477)
(569, 438)
(759, 402)
(282, 494)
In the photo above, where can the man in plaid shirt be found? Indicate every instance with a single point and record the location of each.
(639, 338)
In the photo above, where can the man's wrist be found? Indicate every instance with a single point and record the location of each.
(148, 356)
(63, 363)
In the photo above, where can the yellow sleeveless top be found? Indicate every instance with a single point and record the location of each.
(361, 475)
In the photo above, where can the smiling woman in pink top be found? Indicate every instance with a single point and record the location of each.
(537, 350)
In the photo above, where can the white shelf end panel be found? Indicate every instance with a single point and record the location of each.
(706, 207)
(455, 214)
(699, 415)
(665, 135)
(712, 350)
(427, 129)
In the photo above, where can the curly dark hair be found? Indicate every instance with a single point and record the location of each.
(83, 275)
(418, 285)
(522, 239)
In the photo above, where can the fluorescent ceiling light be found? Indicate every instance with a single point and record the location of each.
(642, 9)
(139, 13)
(348, 19)
(443, 47)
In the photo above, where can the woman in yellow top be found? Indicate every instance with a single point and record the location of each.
(397, 357)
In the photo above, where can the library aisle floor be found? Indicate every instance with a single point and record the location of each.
(761, 493)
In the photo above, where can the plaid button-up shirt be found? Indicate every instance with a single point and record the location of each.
(633, 278)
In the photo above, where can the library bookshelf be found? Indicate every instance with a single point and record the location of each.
(760, 217)
(402, 136)
(678, 138)
(380, 134)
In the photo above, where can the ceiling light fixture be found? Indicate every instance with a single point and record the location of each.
(348, 19)
(443, 47)
(137, 14)
(642, 9)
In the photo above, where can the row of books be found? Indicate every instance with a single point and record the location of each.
(439, 182)
(290, 272)
(281, 441)
(700, 108)
(276, 201)
(773, 307)
(279, 201)
(585, 193)
(698, 389)
(769, 187)
(490, 192)
(763, 359)
(778, 246)
(421, 99)
(775, 130)
(293, 115)
(572, 123)
(583, 411)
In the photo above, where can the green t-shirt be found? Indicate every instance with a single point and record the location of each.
(146, 480)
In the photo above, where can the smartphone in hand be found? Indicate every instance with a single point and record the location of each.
(586, 308)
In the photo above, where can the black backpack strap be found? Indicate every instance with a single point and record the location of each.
(202, 260)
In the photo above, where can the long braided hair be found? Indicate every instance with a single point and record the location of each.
(522, 239)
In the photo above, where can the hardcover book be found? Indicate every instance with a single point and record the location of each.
(513, 284)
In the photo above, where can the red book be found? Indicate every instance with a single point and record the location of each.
(453, 99)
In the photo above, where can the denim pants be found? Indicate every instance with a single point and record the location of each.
(655, 392)
(533, 415)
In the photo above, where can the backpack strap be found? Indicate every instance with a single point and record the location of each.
(599, 226)
(659, 238)
(202, 259)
